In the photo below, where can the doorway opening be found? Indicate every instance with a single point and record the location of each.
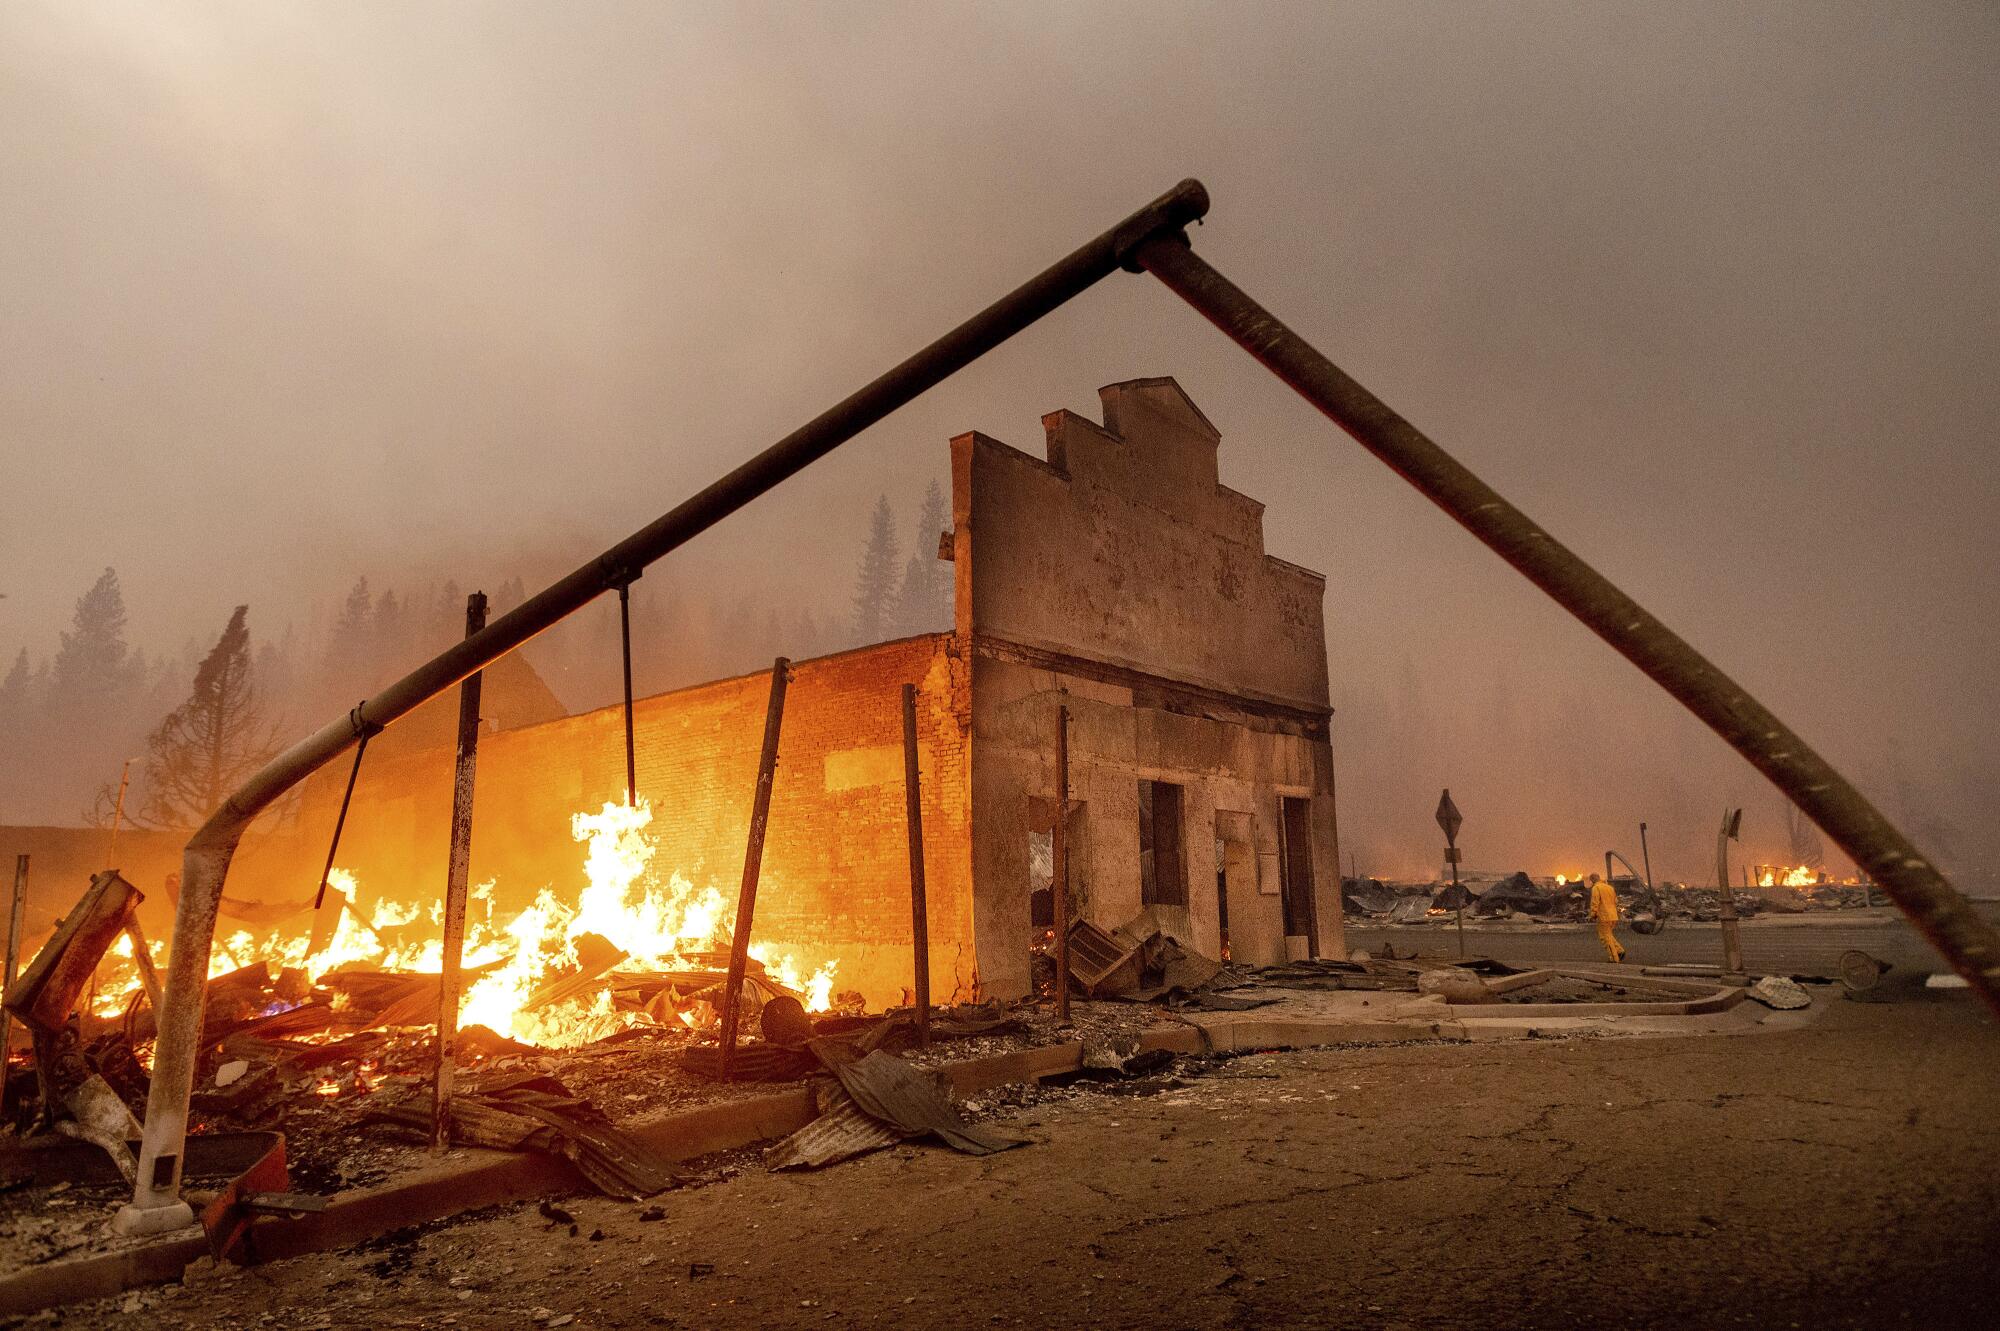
(1162, 863)
(1295, 856)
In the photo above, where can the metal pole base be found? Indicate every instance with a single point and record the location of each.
(134, 1220)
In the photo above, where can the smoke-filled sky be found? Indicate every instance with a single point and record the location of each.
(291, 293)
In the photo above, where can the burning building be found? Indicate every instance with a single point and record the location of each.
(1114, 577)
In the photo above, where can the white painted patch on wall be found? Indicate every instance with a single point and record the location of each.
(853, 769)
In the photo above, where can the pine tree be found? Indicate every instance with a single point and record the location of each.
(447, 618)
(387, 632)
(346, 672)
(15, 700)
(92, 711)
(875, 587)
(92, 664)
(511, 594)
(275, 672)
(20, 733)
(206, 747)
(934, 523)
(913, 600)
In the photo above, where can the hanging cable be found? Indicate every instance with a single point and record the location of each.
(363, 731)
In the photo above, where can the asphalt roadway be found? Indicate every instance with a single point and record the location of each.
(1841, 1172)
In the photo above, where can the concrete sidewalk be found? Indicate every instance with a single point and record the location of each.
(1808, 944)
(1304, 1019)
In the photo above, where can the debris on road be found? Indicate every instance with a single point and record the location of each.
(1775, 991)
(1143, 959)
(874, 1101)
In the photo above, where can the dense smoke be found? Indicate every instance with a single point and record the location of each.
(298, 295)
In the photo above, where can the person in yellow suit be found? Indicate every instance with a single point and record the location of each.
(1604, 909)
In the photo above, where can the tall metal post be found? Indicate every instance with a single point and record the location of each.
(1968, 941)
(1732, 942)
(1645, 857)
(118, 814)
(1450, 820)
(1059, 865)
(14, 917)
(111, 862)
(913, 817)
(753, 860)
(1458, 898)
(458, 869)
(625, 650)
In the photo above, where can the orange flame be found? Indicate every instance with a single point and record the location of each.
(656, 921)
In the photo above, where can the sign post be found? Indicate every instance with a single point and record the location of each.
(1451, 820)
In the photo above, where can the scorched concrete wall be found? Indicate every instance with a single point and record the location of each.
(1121, 579)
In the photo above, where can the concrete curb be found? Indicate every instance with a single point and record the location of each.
(1712, 1000)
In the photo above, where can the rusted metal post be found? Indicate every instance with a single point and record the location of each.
(111, 862)
(458, 868)
(15, 914)
(913, 817)
(753, 860)
(1458, 898)
(1059, 865)
(1968, 942)
(118, 814)
(1732, 939)
(625, 650)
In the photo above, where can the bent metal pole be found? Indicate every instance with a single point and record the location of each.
(1967, 941)
(156, 1203)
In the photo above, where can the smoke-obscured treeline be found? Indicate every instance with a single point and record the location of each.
(197, 719)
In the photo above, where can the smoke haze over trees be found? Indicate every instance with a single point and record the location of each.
(207, 719)
(1710, 292)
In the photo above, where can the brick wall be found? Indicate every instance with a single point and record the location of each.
(835, 880)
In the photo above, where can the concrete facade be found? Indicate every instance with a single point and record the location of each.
(1119, 578)
(1115, 577)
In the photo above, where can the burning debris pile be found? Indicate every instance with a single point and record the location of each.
(330, 1024)
(633, 948)
(1563, 899)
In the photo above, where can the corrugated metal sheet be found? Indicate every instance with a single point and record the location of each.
(841, 1132)
(913, 1100)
